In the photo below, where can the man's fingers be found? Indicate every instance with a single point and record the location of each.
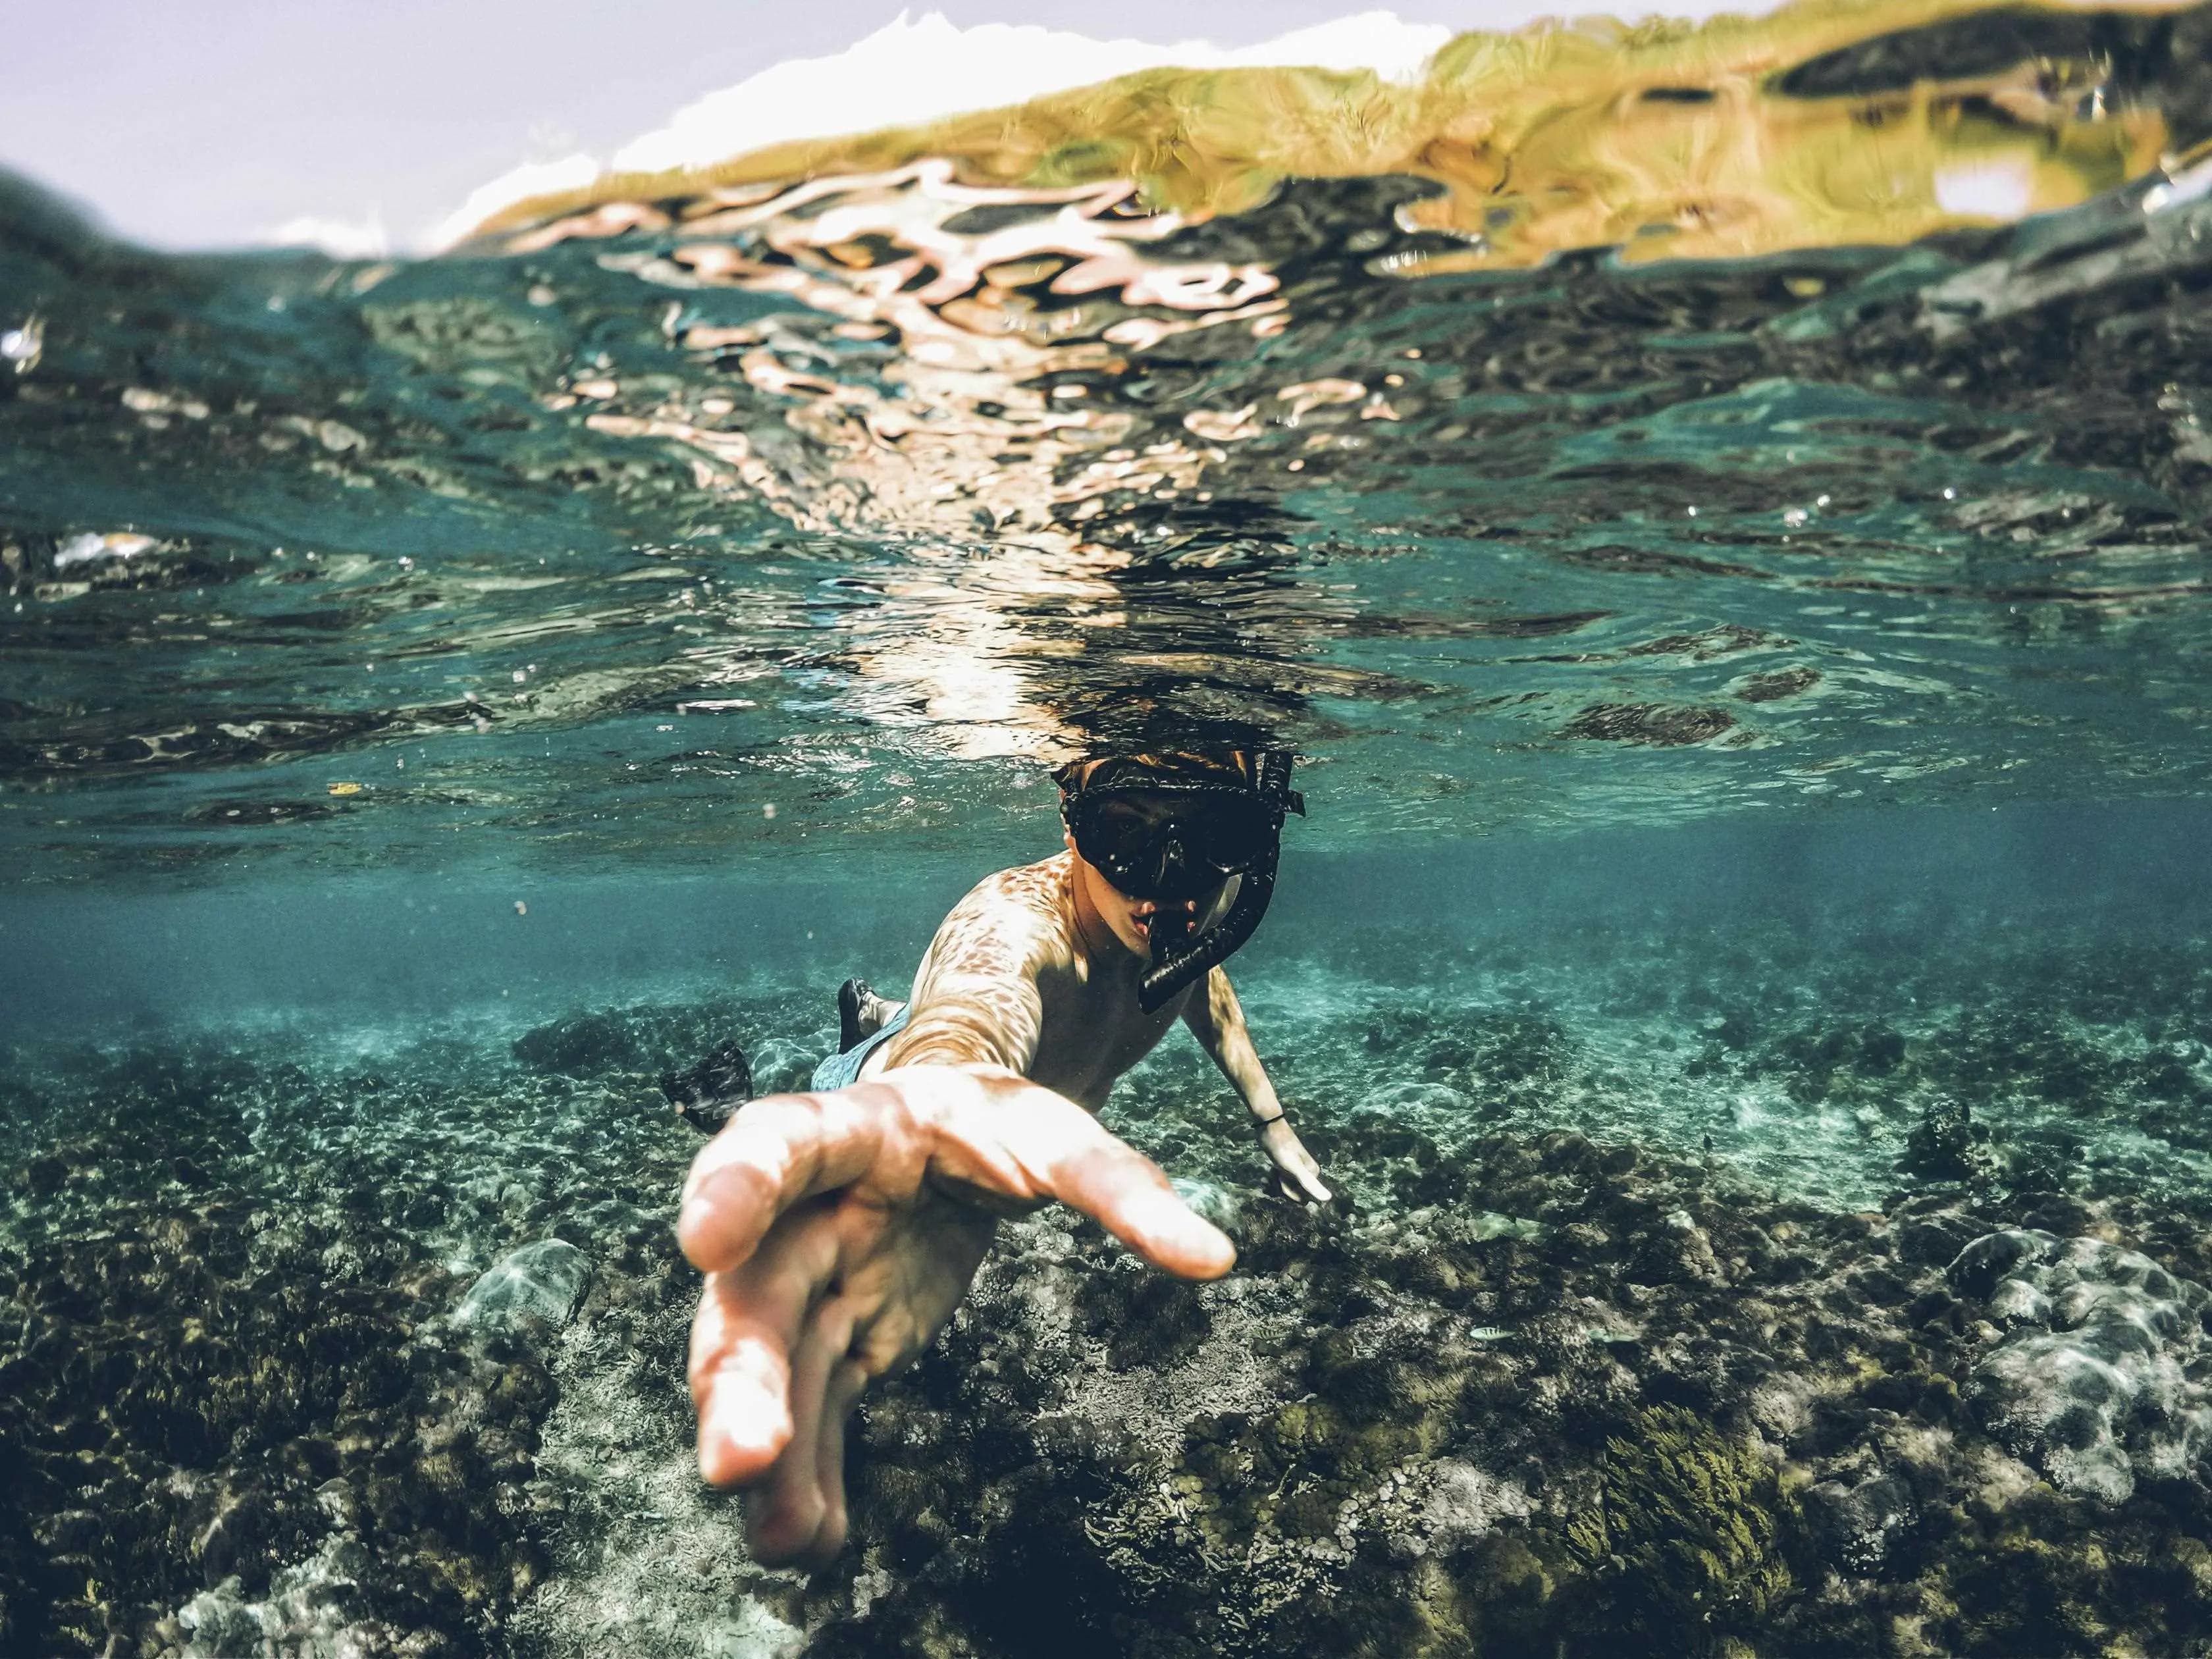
(783, 1518)
(741, 1342)
(1298, 1173)
(774, 1153)
(1307, 1175)
(1146, 1216)
(846, 1382)
(1027, 1141)
(740, 1384)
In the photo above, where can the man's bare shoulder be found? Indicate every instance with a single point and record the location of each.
(976, 995)
(1041, 887)
(1017, 915)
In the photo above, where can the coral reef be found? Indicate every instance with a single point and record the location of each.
(246, 1391)
(227, 1390)
(2103, 1378)
(1685, 1417)
(1949, 1145)
(379, 1351)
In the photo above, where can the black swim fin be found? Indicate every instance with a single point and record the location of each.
(708, 1095)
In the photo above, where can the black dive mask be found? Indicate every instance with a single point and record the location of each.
(1172, 847)
(1173, 828)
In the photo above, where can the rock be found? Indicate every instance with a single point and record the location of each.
(1856, 1527)
(1489, 1225)
(1931, 1237)
(1217, 1203)
(236, 1540)
(1977, 1269)
(307, 1612)
(1781, 1407)
(1880, 1051)
(1467, 1504)
(752, 1632)
(582, 1045)
(219, 1622)
(2015, 1303)
(2100, 1380)
(543, 1280)
(1948, 1145)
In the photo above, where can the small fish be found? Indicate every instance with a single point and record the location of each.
(1488, 1334)
(1489, 1225)
(21, 346)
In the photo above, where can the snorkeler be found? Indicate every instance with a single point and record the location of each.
(839, 1229)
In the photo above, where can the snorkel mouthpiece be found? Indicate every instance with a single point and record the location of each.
(1168, 932)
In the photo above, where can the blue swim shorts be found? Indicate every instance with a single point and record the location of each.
(839, 1070)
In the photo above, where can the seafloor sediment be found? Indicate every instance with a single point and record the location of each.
(1913, 1360)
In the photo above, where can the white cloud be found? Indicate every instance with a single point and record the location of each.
(916, 69)
(342, 239)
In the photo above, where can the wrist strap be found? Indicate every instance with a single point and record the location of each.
(1262, 1122)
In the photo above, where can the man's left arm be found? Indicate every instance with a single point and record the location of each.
(1216, 1020)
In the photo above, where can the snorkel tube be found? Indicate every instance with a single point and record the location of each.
(1178, 957)
(1178, 960)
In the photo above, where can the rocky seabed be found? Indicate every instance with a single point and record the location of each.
(342, 1364)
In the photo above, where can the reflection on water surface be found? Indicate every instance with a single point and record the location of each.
(1607, 426)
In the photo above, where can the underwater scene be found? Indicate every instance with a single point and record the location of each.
(1719, 515)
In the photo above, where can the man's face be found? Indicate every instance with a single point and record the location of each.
(1130, 919)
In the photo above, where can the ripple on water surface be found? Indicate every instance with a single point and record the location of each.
(1579, 434)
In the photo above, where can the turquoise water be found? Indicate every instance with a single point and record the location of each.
(1752, 716)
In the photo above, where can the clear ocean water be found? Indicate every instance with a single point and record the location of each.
(1721, 517)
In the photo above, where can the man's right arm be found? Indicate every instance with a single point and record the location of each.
(975, 1002)
(838, 1230)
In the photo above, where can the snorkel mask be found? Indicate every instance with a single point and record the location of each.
(1173, 827)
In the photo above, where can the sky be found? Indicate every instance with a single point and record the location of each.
(369, 123)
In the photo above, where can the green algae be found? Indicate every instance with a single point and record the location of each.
(1684, 1546)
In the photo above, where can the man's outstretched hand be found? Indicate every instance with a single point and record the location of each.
(838, 1231)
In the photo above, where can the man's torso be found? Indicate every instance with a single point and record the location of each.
(1090, 1030)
